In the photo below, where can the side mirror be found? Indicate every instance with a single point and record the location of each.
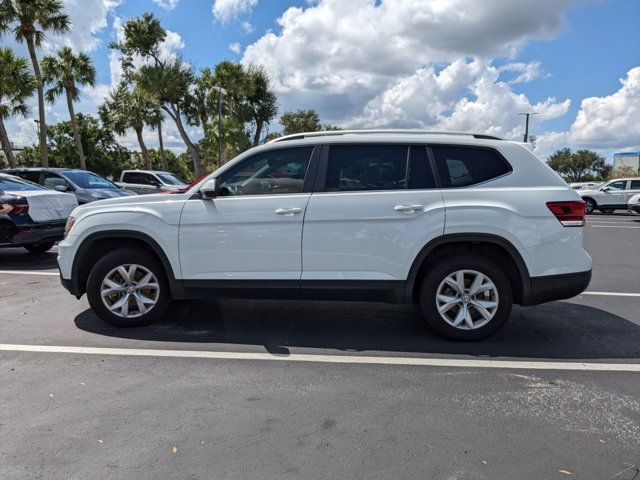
(209, 190)
(155, 183)
(61, 188)
(605, 189)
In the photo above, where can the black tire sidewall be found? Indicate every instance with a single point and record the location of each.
(588, 202)
(40, 247)
(447, 266)
(122, 257)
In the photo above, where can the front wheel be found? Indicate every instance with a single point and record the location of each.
(466, 297)
(589, 206)
(41, 247)
(128, 288)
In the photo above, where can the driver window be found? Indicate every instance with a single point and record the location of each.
(616, 186)
(268, 173)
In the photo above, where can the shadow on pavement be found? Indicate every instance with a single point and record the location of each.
(20, 259)
(559, 330)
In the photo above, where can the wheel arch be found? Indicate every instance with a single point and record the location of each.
(97, 243)
(488, 245)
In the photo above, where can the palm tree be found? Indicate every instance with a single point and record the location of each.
(66, 71)
(261, 100)
(134, 109)
(16, 86)
(232, 77)
(29, 20)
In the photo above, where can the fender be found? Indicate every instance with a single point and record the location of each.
(177, 289)
(523, 272)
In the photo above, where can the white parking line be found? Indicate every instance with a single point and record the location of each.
(29, 272)
(612, 294)
(337, 359)
(609, 226)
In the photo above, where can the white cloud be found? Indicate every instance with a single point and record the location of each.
(611, 121)
(527, 71)
(235, 47)
(246, 27)
(168, 5)
(464, 96)
(225, 10)
(337, 56)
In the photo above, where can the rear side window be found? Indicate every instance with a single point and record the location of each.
(464, 166)
(635, 185)
(31, 176)
(366, 167)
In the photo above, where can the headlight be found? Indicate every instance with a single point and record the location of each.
(68, 226)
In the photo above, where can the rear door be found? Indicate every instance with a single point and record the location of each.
(373, 208)
(633, 189)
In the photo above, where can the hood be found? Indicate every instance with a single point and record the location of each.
(93, 194)
(589, 192)
(47, 205)
(131, 201)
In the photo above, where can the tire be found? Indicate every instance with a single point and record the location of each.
(589, 206)
(41, 247)
(472, 264)
(607, 210)
(136, 312)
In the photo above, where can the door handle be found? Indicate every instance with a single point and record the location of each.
(407, 208)
(288, 211)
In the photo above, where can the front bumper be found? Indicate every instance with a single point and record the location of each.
(557, 287)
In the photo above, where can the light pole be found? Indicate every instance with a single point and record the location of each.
(526, 125)
(221, 91)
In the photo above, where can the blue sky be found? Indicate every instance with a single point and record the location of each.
(458, 65)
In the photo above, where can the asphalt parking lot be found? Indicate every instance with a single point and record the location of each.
(227, 389)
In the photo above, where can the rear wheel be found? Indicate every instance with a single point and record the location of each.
(39, 247)
(589, 206)
(128, 288)
(467, 297)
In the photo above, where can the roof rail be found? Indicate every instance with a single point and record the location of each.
(334, 133)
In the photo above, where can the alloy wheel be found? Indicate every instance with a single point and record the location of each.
(130, 291)
(467, 299)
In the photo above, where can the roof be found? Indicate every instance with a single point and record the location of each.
(146, 171)
(382, 134)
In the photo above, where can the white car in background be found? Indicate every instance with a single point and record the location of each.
(585, 185)
(633, 207)
(612, 195)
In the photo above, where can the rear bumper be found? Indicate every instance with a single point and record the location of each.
(557, 287)
(37, 232)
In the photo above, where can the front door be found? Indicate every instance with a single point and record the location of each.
(374, 207)
(253, 229)
(614, 194)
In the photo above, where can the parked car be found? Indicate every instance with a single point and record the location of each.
(633, 207)
(32, 216)
(87, 186)
(611, 196)
(150, 181)
(462, 225)
(585, 185)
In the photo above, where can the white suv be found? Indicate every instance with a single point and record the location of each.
(610, 196)
(464, 225)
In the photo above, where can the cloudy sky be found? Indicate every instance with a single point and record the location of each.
(463, 65)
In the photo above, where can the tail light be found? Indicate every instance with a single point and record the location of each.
(569, 214)
(13, 204)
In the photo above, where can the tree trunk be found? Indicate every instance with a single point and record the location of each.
(143, 147)
(163, 158)
(174, 113)
(76, 133)
(44, 155)
(256, 137)
(6, 145)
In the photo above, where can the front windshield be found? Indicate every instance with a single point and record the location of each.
(89, 180)
(169, 179)
(17, 184)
